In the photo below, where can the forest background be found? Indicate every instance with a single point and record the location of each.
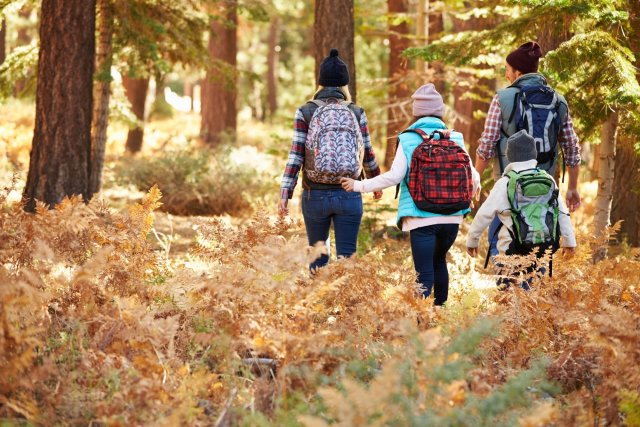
(162, 289)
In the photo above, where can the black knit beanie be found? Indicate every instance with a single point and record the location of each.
(525, 58)
(333, 71)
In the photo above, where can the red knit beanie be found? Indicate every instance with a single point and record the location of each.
(525, 58)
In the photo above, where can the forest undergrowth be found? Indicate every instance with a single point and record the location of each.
(102, 324)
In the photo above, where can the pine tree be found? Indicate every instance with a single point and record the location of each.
(60, 163)
(219, 88)
(333, 27)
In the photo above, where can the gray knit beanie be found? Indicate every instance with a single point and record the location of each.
(521, 147)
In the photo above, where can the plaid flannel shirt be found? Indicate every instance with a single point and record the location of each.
(296, 154)
(491, 136)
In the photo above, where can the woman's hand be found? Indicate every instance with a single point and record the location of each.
(282, 207)
(347, 184)
(377, 195)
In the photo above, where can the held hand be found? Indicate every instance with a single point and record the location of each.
(473, 252)
(477, 195)
(347, 184)
(282, 207)
(377, 195)
(573, 200)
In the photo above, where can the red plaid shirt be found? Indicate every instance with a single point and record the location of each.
(296, 154)
(491, 136)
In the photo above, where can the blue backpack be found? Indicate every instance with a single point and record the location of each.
(537, 110)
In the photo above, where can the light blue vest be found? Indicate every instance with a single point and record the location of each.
(506, 97)
(409, 142)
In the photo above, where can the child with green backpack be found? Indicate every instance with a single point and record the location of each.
(526, 201)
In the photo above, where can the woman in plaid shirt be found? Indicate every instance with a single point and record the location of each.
(324, 204)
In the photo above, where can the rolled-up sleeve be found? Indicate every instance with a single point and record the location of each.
(371, 167)
(570, 143)
(491, 133)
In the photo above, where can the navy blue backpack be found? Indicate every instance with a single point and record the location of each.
(537, 110)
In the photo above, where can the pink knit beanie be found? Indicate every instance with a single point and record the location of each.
(427, 102)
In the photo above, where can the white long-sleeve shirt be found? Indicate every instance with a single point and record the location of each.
(498, 204)
(394, 176)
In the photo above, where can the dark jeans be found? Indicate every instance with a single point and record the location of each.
(429, 247)
(492, 236)
(322, 207)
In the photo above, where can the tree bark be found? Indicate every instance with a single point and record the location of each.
(626, 194)
(219, 94)
(333, 27)
(602, 214)
(465, 122)
(101, 92)
(553, 32)
(60, 163)
(399, 112)
(23, 39)
(272, 66)
(136, 91)
(3, 41)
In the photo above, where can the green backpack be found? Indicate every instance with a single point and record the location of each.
(533, 197)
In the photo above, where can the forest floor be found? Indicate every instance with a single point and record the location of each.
(139, 316)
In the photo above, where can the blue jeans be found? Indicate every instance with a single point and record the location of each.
(429, 247)
(322, 207)
(492, 236)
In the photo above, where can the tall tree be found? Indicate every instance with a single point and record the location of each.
(60, 163)
(3, 40)
(626, 193)
(472, 91)
(23, 39)
(397, 115)
(136, 91)
(272, 66)
(219, 89)
(334, 27)
(101, 92)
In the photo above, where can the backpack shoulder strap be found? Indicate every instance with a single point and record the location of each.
(309, 108)
(417, 131)
(353, 107)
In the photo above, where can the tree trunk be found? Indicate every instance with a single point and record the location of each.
(399, 112)
(23, 39)
(626, 194)
(60, 163)
(435, 25)
(272, 67)
(602, 214)
(333, 26)
(3, 41)
(188, 91)
(626, 200)
(219, 90)
(101, 92)
(553, 32)
(465, 108)
(422, 35)
(136, 90)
